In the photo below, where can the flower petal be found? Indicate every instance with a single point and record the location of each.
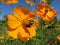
(51, 14)
(30, 2)
(22, 38)
(43, 0)
(9, 2)
(22, 13)
(58, 37)
(32, 32)
(13, 22)
(22, 34)
(13, 33)
(46, 19)
(18, 33)
(17, 12)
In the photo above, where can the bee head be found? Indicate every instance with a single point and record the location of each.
(30, 23)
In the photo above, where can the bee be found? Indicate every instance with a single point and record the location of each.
(30, 23)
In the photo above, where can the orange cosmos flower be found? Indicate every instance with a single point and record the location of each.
(22, 24)
(30, 2)
(45, 12)
(9, 2)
